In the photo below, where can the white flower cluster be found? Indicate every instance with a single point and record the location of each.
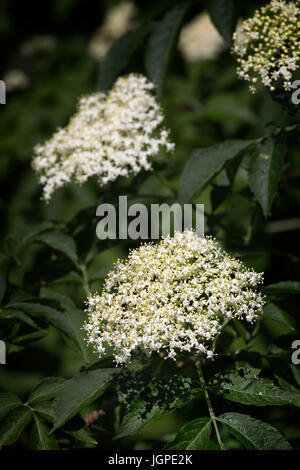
(110, 136)
(116, 22)
(172, 296)
(268, 45)
(199, 39)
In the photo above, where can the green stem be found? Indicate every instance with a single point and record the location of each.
(117, 419)
(86, 286)
(28, 406)
(208, 402)
(291, 128)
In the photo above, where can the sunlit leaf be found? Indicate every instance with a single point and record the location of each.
(253, 433)
(244, 386)
(158, 399)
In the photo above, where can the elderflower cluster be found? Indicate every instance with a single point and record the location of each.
(172, 296)
(268, 45)
(199, 39)
(110, 135)
(117, 21)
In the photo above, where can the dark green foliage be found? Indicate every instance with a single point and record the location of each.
(158, 399)
(223, 15)
(236, 153)
(161, 44)
(193, 436)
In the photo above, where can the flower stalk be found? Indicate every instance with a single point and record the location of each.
(208, 402)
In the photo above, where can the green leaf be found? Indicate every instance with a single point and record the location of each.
(8, 401)
(132, 380)
(13, 424)
(223, 16)
(158, 399)
(274, 313)
(64, 300)
(253, 433)
(18, 240)
(100, 274)
(50, 314)
(84, 435)
(76, 319)
(60, 242)
(265, 169)
(46, 409)
(243, 386)
(120, 54)
(21, 316)
(296, 373)
(195, 435)
(36, 231)
(40, 438)
(29, 337)
(205, 163)
(161, 44)
(2, 288)
(80, 391)
(226, 108)
(46, 390)
(283, 287)
(72, 277)
(283, 383)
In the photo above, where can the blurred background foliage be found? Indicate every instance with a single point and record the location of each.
(52, 53)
